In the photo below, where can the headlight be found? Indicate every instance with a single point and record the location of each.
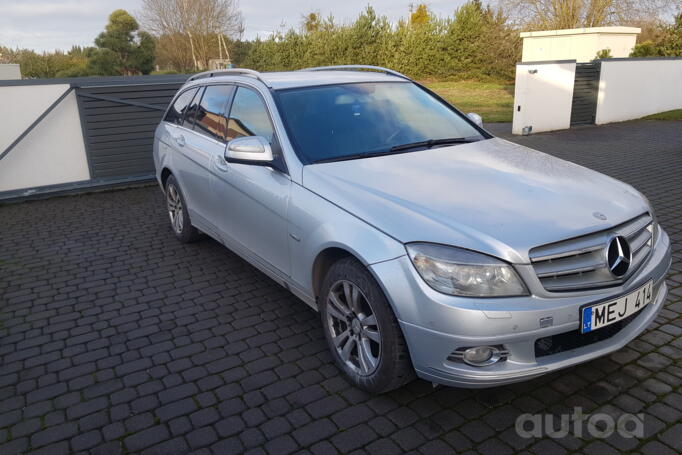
(456, 271)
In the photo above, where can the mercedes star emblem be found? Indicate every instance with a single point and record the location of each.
(618, 256)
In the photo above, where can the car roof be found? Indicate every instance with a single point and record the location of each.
(293, 79)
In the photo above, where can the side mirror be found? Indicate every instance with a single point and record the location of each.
(477, 119)
(249, 149)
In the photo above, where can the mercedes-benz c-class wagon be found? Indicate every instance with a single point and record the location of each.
(427, 245)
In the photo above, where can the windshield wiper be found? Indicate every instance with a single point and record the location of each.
(399, 149)
(431, 143)
(354, 156)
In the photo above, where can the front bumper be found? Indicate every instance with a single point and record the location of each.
(435, 324)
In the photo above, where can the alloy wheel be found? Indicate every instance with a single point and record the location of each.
(174, 203)
(353, 327)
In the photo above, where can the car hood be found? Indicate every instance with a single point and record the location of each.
(491, 196)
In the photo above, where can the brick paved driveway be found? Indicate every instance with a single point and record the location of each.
(115, 338)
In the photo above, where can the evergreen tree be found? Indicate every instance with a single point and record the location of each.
(122, 48)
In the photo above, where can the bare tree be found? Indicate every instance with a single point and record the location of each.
(191, 28)
(561, 14)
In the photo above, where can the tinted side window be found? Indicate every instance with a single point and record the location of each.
(210, 118)
(249, 116)
(178, 108)
(190, 113)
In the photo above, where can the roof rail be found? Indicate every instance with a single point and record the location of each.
(357, 68)
(236, 71)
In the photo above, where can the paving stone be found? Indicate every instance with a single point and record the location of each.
(145, 438)
(408, 438)
(672, 437)
(86, 441)
(281, 445)
(477, 430)
(314, 431)
(25, 428)
(656, 448)
(169, 447)
(353, 415)
(230, 445)
(82, 409)
(353, 438)
(54, 434)
(201, 437)
(384, 446)
(113, 431)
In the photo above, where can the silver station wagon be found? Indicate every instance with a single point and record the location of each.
(427, 245)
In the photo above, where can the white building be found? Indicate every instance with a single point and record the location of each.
(580, 44)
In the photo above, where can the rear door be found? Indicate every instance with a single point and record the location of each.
(190, 163)
(206, 139)
(167, 132)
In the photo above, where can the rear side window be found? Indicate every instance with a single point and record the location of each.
(177, 110)
(191, 111)
(249, 116)
(210, 118)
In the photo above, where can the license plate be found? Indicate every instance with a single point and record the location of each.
(600, 315)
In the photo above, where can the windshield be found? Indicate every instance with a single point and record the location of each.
(347, 121)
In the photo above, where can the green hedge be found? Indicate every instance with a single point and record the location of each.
(475, 42)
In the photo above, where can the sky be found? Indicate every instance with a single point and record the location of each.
(46, 25)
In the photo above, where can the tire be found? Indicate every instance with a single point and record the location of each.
(178, 214)
(378, 360)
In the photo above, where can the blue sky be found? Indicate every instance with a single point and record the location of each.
(59, 24)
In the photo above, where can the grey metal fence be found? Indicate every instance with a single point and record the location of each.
(118, 116)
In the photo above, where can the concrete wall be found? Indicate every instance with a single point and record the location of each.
(633, 88)
(580, 44)
(620, 44)
(543, 96)
(10, 71)
(53, 152)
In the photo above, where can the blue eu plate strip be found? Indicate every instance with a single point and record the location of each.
(587, 319)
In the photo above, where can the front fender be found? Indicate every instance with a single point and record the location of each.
(316, 224)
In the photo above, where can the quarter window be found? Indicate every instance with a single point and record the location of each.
(179, 107)
(249, 116)
(210, 117)
(191, 111)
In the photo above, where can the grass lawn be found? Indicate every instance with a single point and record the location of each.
(667, 115)
(494, 101)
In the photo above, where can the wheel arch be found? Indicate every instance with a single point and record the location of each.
(165, 173)
(332, 254)
(323, 262)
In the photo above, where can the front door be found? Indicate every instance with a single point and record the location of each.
(251, 201)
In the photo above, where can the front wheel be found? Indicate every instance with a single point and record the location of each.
(361, 329)
(178, 214)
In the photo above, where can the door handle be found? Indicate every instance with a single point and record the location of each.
(180, 140)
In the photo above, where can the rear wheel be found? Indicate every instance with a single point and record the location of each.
(361, 329)
(178, 214)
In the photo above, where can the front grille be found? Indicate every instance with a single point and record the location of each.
(580, 263)
(574, 339)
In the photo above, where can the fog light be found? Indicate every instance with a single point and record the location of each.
(479, 356)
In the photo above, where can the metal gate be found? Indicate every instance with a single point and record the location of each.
(117, 117)
(118, 126)
(585, 90)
